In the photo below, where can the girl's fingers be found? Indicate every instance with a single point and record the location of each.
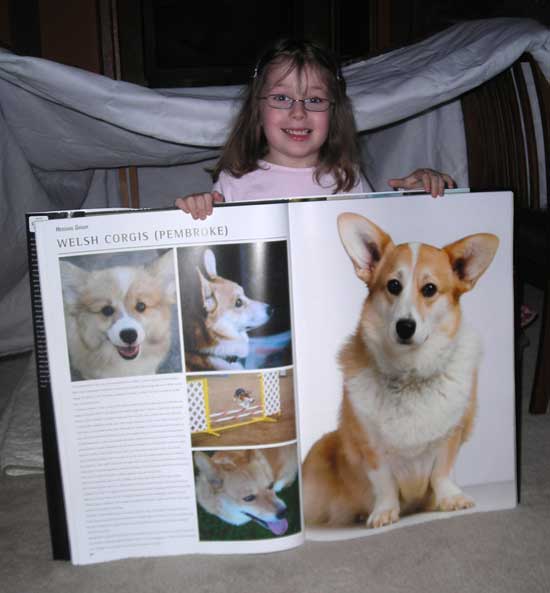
(438, 186)
(449, 180)
(181, 203)
(199, 206)
(429, 180)
(434, 183)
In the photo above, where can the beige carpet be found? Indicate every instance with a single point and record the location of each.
(500, 552)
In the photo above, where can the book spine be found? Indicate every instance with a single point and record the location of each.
(52, 469)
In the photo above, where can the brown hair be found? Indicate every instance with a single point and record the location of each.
(246, 144)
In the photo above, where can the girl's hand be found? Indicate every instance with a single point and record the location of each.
(199, 205)
(432, 182)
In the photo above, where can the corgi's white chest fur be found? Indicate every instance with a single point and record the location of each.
(405, 417)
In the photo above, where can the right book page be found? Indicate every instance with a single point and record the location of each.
(403, 310)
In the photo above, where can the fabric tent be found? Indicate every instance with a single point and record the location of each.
(64, 132)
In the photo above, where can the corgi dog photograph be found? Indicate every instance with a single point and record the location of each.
(241, 492)
(243, 398)
(118, 318)
(409, 382)
(225, 301)
(241, 409)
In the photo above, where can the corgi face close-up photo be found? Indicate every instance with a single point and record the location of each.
(413, 310)
(118, 319)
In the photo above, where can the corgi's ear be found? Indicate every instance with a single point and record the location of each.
(208, 298)
(228, 461)
(163, 269)
(209, 262)
(208, 468)
(470, 257)
(363, 241)
(73, 279)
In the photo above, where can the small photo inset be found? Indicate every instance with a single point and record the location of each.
(120, 314)
(247, 494)
(235, 306)
(242, 409)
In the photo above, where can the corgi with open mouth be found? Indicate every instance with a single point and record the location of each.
(240, 486)
(118, 319)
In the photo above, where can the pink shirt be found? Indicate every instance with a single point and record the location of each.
(275, 181)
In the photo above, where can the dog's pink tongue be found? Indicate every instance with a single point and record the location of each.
(278, 527)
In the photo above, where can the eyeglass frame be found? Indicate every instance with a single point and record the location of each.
(304, 102)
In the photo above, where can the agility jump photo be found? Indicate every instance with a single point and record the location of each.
(229, 409)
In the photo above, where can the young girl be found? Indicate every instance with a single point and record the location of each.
(295, 135)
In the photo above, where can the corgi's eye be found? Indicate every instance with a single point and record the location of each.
(140, 307)
(394, 286)
(239, 303)
(428, 290)
(108, 310)
(270, 487)
(249, 498)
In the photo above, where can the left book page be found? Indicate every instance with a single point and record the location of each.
(171, 370)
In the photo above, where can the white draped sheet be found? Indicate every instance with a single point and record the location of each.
(63, 131)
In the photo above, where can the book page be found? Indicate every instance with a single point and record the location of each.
(170, 350)
(397, 419)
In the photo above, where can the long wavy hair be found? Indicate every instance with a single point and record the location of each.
(247, 144)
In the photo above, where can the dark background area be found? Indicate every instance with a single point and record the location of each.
(175, 43)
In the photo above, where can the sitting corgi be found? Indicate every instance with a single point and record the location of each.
(240, 486)
(216, 318)
(410, 374)
(118, 319)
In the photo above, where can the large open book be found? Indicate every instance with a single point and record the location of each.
(192, 367)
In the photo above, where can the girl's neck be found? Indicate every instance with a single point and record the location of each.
(291, 163)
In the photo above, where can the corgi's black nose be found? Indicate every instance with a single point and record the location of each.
(405, 328)
(129, 336)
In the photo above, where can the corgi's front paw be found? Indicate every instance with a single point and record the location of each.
(382, 517)
(455, 503)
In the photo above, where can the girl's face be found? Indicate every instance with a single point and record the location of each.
(294, 136)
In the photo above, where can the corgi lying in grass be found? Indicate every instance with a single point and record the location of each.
(239, 486)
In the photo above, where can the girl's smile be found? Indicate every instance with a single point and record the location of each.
(294, 136)
(298, 135)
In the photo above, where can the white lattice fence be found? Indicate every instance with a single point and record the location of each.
(202, 419)
(272, 394)
(197, 407)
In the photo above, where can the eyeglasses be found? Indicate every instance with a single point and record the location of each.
(286, 102)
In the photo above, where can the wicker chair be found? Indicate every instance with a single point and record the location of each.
(502, 122)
